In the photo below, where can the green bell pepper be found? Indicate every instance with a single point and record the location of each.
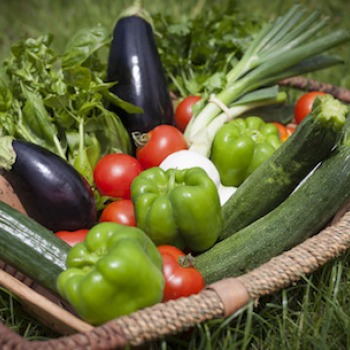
(178, 207)
(240, 146)
(115, 271)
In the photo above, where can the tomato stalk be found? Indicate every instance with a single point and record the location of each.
(185, 260)
(140, 138)
(283, 48)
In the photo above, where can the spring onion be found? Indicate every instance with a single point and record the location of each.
(283, 48)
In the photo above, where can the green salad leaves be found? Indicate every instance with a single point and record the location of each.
(59, 100)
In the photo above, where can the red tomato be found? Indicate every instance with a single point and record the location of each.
(72, 237)
(284, 130)
(171, 250)
(304, 104)
(161, 141)
(181, 278)
(183, 112)
(121, 211)
(114, 173)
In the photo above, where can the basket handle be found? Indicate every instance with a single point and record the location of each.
(46, 311)
(302, 83)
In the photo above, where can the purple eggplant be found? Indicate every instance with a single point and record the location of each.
(134, 64)
(51, 190)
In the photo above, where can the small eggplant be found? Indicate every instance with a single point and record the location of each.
(134, 64)
(51, 191)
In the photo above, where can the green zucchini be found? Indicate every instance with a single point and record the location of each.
(30, 247)
(272, 182)
(304, 213)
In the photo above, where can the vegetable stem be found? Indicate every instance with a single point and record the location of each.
(60, 151)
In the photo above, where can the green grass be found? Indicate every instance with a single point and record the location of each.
(13, 316)
(22, 19)
(313, 314)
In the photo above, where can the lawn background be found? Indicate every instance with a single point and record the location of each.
(315, 313)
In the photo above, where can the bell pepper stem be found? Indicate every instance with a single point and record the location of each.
(87, 260)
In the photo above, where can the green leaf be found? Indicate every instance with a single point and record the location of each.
(81, 162)
(84, 158)
(37, 117)
(191, 57)
(110, 132)
(93, 151)
(56, 101)
(267, 93)
(6, 96)
(83, 44)
(114, 99)
(78, 76)
(215, 82)
(66, 120)
(7, 153)
(7, 124)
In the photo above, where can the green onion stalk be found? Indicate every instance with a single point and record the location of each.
(283, 48)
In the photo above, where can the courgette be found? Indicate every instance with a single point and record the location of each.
(304, 213)
(273, 181)
(31, 248)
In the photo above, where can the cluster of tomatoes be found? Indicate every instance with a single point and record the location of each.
(115, 172)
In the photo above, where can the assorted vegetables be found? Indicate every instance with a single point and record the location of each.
(304, 213)
(283, 48)
(132, 196)
(275, 180)
(57, 100)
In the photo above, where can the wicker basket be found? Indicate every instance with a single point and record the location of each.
(217, 300)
